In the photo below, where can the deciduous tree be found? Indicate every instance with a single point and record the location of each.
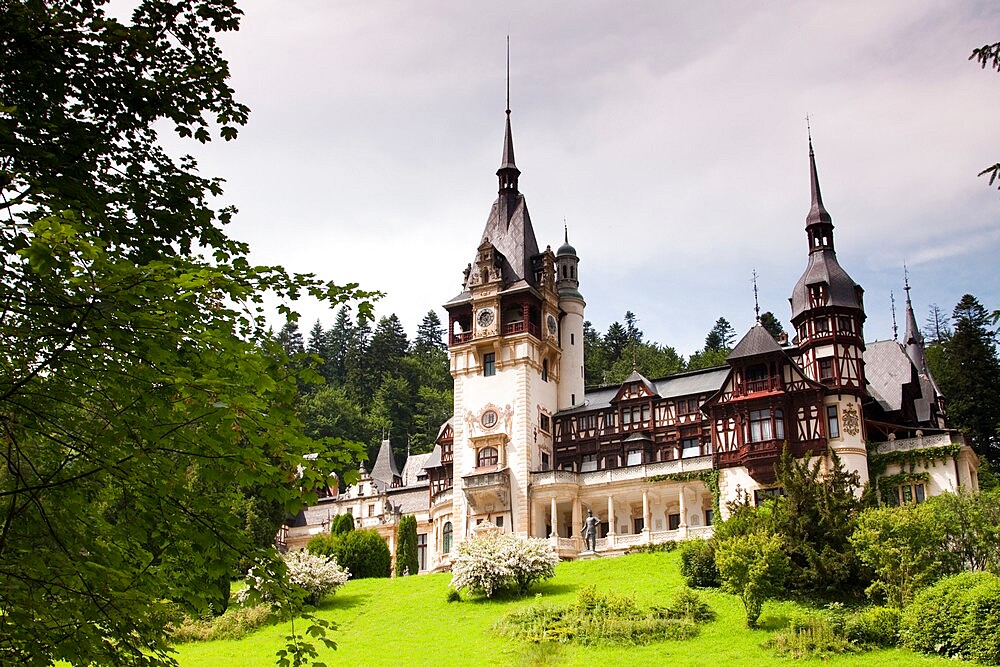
(139, 391)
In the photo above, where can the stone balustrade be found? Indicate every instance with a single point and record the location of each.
(625, 473)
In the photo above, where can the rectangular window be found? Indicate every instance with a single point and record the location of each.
(709, 517)
(588, 463)
(544, 422)
(690, 407)
(499, 522)
(609, 420)
(586, 422)
(826, 369)
(822, 325)
(422, 550)
(489, 364)
(673, 521)
(572, 339)
(760, 495)
(760, 426)
(545, 461)
(371, 510)
(690, 447)
(634, 457)
(844, 324)
(638, 525)
(833, 430)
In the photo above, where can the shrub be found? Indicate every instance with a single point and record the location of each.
(698, 563)
(876, 626)
(342, 524)
(906, 547)
(810, 635)
(453, 595)
(318, 576)
(595, 618)
(957, 617)
(315, 576)
(363, 552)
(754, 568)
(493, 561)
(658, 548)
(407, 561)
(687, 604)
(236, 623)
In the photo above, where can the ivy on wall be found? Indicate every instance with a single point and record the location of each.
(709, 477)
(877, 463)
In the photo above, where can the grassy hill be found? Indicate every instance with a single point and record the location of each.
(408, 622)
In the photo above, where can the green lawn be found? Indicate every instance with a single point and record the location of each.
(408, 622)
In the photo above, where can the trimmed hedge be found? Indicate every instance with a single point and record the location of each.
(363, 552)
(958, 617)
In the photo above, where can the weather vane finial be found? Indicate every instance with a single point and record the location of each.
(892, 304)
(756, 304)
(508, 74)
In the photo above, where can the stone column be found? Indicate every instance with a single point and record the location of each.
(645, 511)
(611, 519)
(553, 518)
(577, 517)
(682, 502)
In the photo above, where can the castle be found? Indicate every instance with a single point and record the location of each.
(531, 450)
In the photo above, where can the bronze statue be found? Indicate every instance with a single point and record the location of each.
(590, 531)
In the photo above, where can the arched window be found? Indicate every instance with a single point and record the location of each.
(545, 370)
(487, 456)
(446, 535)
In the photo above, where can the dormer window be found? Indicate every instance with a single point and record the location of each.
(817, 295)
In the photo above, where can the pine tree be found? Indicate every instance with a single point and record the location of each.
(593, 356)
(720, 337)
(430, 335)
(772, 324)
(339, 340)
(616, 342)
(388, 347)
(290, 339)
(969, 377)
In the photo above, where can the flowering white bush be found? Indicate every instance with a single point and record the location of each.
(493, 561)
(318, 576)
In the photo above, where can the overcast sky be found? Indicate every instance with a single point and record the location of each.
(670, 136)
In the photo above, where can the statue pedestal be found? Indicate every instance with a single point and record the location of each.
(587, 555)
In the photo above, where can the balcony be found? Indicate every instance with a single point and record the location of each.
(625, 473)
(459, 338)
(764, 385)
(920, 442)
(571, 547)
(522, 327)
(488, 491)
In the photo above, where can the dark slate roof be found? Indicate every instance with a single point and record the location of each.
(823, 268)
(636, 376)
(887, 369)
(415, 465)
(433, 459)
(757, 341)
(410, 500)
(512, 235)
(385, 465)
(706, 381)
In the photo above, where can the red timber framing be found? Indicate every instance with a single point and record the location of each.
(441, 477)
(641, 429)
(765, 403)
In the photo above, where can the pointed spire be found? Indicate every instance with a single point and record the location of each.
(913, 339)
(817, 212)
(508, 171)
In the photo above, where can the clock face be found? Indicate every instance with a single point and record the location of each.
(485, 317)
(551, 323)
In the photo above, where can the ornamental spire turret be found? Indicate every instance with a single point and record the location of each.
(913, 340)
(819, 224)
(508, 171)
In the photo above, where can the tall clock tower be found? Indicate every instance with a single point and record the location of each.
(507, 335)
(827, 314)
